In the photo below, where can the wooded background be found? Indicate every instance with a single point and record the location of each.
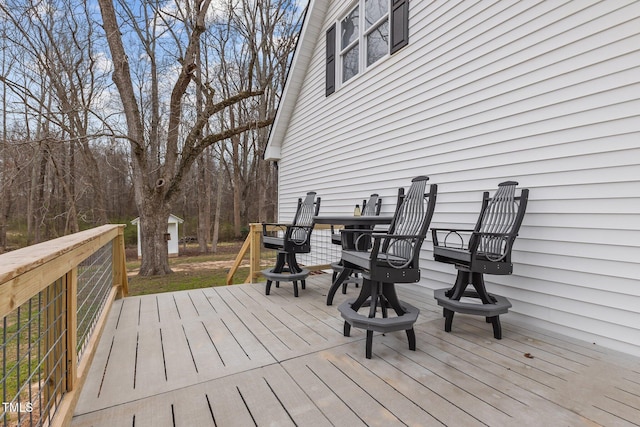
(65, 150)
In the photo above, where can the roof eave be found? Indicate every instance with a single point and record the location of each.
(309, 35)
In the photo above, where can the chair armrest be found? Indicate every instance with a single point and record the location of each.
(496, 249)
(273, 226)
(391, 240)
(291, 228)
(351, 238)
(450, 232)
(287, 230)
(461, 230)
(485, 233)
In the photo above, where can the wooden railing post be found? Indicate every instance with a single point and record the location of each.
(255, 231)
(49, 337)
(253, 244)
(120, 280)
(71, 282)
(55, 302)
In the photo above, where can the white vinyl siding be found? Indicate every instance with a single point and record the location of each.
(546, 93)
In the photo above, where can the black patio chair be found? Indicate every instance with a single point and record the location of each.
(369, 208)
(289, 240)
(484, 250)
(392, 258)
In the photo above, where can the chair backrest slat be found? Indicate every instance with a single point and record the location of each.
(307, 209)
(412, 217)
(501, 214)
(372, 206)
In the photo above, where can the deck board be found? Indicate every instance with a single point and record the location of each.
(233, 356)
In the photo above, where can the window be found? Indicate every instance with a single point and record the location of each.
(371, 30)
(364, 37)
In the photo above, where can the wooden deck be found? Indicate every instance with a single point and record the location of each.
(231, 356)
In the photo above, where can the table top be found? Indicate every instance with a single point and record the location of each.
(352, 220)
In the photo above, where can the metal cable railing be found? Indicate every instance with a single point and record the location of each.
(34, 358)
(48, 324)
(94, 283)
(323, 253)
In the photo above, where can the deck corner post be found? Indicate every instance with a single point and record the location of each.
(254, 251)
(119, 267)
(71, 282)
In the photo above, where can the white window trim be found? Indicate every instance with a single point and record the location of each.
(361, 40)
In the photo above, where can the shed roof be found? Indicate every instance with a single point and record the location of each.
(172, 219)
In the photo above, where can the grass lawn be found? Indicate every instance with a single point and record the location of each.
(190, 271)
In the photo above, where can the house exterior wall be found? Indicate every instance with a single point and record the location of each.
(546, 93)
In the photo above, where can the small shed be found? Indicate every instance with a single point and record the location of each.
(172, 231)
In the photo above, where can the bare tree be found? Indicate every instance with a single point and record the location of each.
(5, 180)
(55, 43)
(268, 29)
(169, 108)
(162, 159)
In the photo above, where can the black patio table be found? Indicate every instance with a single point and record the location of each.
(350, 222)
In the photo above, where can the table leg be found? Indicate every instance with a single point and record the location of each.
(346, 272)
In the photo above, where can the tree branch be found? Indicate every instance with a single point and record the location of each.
(122, 79)
(188, 160)
(189, 65)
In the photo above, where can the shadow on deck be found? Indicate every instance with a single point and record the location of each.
(232, 356)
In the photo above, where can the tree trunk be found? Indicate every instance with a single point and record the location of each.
(204, 206)
(5, 209)
(72, 211)
(161, 162)
(153, 241)
(5, 190)
(39, 204)
(236, 185)
(216, 223)
(99, 206)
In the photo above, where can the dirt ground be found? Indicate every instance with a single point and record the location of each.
(206, 265)
(230, 251)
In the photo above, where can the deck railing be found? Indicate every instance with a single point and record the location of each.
(323, 253)
(54, 298)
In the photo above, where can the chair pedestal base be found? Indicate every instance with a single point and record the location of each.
(286, 270)
(492, 306)
(371, 295)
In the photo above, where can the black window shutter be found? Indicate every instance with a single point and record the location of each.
(399, 25)
(330, 85)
